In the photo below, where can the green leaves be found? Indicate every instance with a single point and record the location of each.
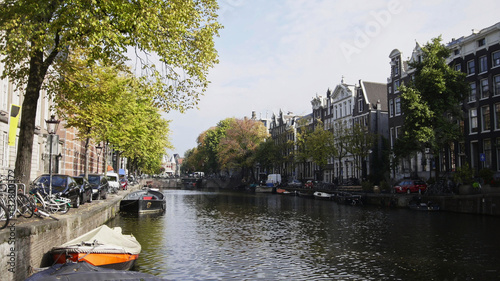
(432, 103)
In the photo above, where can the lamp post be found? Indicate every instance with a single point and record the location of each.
(52, 125)
(98, 149)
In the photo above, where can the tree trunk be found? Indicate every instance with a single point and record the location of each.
(86, 165)
(22, 170)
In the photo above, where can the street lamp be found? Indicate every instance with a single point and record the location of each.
(98, 149)
(52, 125)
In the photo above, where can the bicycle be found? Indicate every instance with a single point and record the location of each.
(13, 198)
(4, 216)
(46, 204)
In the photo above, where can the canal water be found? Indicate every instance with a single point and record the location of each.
(248, 236)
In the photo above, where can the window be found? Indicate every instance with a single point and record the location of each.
(397, 102)
(497, 116)
(498, 153)
(487, 153)
(472, 94)
(396, 66)
(496, 85)
(458, 67)
(481, 42)
(483, 64)
(389, 89)
(485, 118)
(360, 105)
(485, 93)
(496, 58)
(456, 52)
(391, 108)
(471, 68)
(396, 86)
(473, 120)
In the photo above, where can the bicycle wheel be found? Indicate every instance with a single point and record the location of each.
(24, 206)
(63, 208)
(4, 216)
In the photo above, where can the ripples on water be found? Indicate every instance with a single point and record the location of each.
(244, 236)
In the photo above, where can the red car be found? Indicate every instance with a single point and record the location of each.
(409, 186)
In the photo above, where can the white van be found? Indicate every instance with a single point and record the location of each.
(273, 180)
(114, 182)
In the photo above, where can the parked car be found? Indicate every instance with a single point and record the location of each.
(309, 184)
(295, 183)
(100, 186)
(123, 183)
(64, 184)
(114, 181)
(409, 186)
(85, 189)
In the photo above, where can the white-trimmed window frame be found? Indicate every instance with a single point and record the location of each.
(495, 59)
(483, 64)
(485, 118)
(484, 88)
(471, 67)
(473, 122)
(473, 92)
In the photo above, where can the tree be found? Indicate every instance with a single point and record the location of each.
(208, 144)
(237, 148)
(304, 131)
(36, 35)
(319, 146)
(267, 155)
(431, 102)
(341, 144)
(360, 143)
(106, 103)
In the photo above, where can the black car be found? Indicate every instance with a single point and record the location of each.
(100, 186)
(64, 184)
(85, 189)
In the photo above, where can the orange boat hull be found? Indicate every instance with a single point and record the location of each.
(107, 260)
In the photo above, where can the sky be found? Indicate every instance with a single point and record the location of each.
(279, 54)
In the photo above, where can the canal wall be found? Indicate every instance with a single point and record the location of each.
(477, 204)
(24, 246)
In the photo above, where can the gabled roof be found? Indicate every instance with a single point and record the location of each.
(375, 92)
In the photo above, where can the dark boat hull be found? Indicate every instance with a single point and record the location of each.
(142, 206)
(143, 201)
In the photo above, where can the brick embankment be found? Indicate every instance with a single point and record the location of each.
(25, 243)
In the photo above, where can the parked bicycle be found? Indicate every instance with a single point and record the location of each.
(46, 204)
(12, 196)
(4, 216)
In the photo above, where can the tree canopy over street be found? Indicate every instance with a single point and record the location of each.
(39, 36)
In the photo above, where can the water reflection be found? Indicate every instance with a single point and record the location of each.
(263, 236)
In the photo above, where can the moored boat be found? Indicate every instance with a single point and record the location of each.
(267, 189)
(103, 247)
(144, 201)
(84, 271)
(348, 198)
(322, 195)
(424, 206)
(306, 193)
